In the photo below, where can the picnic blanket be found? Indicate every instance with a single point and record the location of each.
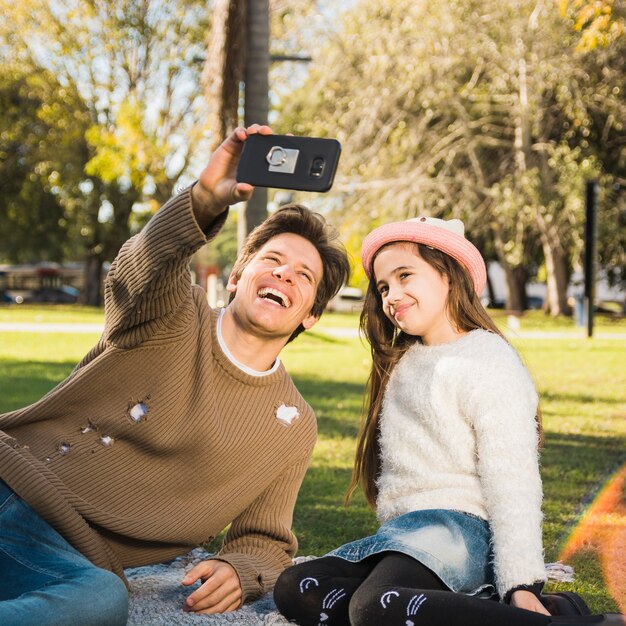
(157, 596)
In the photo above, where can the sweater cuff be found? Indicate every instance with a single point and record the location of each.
(535, 589)
(257, 574)
(214, 223)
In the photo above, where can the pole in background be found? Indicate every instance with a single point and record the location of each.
(256, 101)
(591, 196)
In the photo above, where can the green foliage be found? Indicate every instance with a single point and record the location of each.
(41, 125)
(600, 22)
(133, 112)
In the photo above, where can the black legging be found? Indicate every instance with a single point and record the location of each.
(386, 589)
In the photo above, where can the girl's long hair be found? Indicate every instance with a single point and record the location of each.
(388, 344)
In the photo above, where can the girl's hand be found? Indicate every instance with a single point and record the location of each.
(526, 600)
(220, 591)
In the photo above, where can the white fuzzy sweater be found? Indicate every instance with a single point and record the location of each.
(458, 431)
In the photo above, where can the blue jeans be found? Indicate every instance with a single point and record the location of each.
(44, 581)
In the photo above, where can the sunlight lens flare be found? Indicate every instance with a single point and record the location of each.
(603, 530)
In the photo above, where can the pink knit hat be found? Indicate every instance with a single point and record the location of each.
(445, 235)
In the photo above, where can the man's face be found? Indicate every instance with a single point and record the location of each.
(276, 290)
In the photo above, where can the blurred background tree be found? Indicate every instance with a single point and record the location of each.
(479, 110)
(600, 22)
(493, 112)
(129, 69)
(42, 156)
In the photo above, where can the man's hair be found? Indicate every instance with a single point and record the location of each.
(299, 220)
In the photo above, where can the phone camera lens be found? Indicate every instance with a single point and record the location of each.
(317, 167)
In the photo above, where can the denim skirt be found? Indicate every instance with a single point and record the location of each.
(455, 546)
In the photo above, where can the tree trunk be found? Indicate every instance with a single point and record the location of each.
(92, 290)
(516, 299)
(557, 272)
(256, 107)
(118, 230)
(224, 66)
(94, 248)
(107, 238)
(516, 276)
(557, 276)
(491, 294)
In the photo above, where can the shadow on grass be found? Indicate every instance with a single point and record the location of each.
(337, 404)
(583, 398)
(324, 338)
(574, 468)
(24, 382)
(321, 522)
(577, 459)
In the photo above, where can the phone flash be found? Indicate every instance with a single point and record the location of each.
(282, 159)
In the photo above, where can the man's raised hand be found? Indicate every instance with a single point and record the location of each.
(217, 186)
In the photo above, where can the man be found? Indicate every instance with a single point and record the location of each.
(180, 421)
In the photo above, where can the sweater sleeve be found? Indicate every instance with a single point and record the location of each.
(503, 405)
(260, 543)
(150, 276)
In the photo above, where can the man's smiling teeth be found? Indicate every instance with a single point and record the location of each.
(275, 296)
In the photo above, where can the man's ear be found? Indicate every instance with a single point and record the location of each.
(310, 321)
(231, 285)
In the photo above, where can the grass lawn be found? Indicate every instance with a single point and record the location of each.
(582, 384)
(51, 314)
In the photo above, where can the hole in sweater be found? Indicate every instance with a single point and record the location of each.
(107, 441)
(138, 412)
(64, 448)
(91, 427)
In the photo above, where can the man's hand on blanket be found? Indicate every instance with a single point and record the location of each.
(220, 591)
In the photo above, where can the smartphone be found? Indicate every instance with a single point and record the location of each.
(289, 162)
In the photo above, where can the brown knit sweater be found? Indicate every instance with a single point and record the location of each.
(157, 441)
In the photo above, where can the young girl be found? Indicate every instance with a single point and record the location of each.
(448, 456)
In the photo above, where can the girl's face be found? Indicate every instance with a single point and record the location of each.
(414, 294)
